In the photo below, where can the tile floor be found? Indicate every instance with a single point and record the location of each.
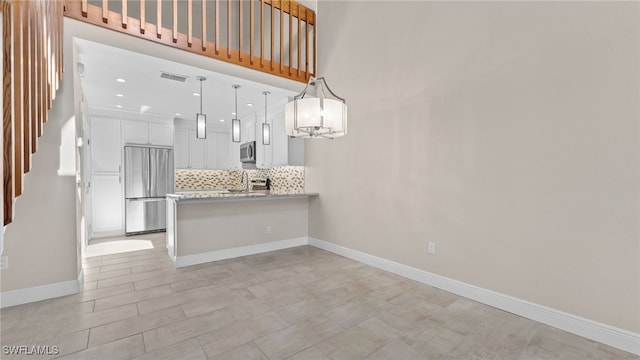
(299, 303)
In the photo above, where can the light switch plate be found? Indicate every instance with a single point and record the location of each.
(4, 262)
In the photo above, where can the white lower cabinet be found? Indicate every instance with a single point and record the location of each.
(107, 204)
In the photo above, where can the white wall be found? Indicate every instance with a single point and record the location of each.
(506, 132)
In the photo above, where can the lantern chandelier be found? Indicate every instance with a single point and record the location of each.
(312, 114)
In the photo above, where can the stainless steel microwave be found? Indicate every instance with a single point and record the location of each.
(248, 152)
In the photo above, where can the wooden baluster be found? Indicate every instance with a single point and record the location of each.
(281, 35)
(251, 30)
(204, 25)
(47, 60)
(175, 21)
(217, 44)
(261, 33)
(240, 32)
(143, 23)
(299, 37)
(60, 41)
(42, 92)
(159, 20)
(189, 23)
(84, 8)
(105, 11)
(16, 81)
(33, 76)
(271, 33)
(229, 28)
(125, 17)
(306, 45)
(290, 39)
(26, 81)
(315, 56)
(7, 131)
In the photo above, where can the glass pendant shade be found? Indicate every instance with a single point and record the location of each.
(266, 130)
(201, 119)
(235, 130)
(312, 114)
(266, 134)
(201, 126)
(235, 123)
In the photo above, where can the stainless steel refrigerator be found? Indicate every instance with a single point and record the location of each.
(148, 174)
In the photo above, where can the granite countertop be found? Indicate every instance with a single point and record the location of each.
(222, 195)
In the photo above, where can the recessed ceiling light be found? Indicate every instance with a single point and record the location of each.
(196, 94)
(178, 114)
(249, 104)
(119, 106)
(119, 95)
(221, 120)
(233, 113)
(120, 80)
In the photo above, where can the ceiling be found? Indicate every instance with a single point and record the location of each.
(144, 91)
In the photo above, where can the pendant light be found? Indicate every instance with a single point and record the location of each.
(266, 130)
(311, 114)
(235, 123)
(201, 119)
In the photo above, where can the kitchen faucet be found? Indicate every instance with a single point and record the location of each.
(245, 173)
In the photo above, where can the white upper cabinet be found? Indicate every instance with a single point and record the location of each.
(138, 132)
(189, 151)
(160, 134)
(282, 150)
(181, 149)
(105, 145)
(197, 155)
(193, 153)
(279, 141)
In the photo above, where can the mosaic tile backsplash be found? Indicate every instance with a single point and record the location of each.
(284, 179)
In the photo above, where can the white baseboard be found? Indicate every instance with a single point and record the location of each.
(37, 293)
(188, 260)
(603, 333)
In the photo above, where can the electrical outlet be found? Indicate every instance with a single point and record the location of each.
(268, 229)
(431, 247)
(4, 262)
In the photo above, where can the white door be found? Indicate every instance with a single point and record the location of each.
(105, 145)
(107, 202)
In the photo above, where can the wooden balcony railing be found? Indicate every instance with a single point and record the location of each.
(31, 71)
(273, 36)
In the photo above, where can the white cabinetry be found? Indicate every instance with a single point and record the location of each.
(106, 178)
(193, 153)
(105, 145)
(137, 132)
(282, 150)
(217, 150)
(106, 209)
(181, 149)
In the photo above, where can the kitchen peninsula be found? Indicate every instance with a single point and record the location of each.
(205, 226)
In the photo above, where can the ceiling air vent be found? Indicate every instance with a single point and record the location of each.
(170, 76)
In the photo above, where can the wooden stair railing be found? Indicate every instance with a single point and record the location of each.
(31, 71)
(296, 61)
